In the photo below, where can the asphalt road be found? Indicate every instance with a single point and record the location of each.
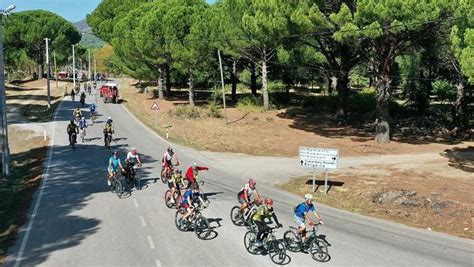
(79, 223)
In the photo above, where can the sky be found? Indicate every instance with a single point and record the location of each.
(72, 10)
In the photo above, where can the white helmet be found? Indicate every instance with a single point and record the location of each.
(308, 197)
(194, 164)
(109, 118)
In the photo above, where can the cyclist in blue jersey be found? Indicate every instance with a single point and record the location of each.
(189, 198)
(302, 212)
(114, 165)
(92, 108)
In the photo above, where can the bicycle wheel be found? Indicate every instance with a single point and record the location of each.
(318, 250)
(118, 188)
(168, 197)
(182, 227)
(277, 252)
(236, 216)
(164, 179)
(249, 242)
(291, 241)
(202, 228)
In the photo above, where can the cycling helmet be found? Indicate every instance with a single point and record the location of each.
(133, 149)
(308, 197)
(109, 118)
(252, 182)
(115, 153)
(83, 118)
(71, 121)
(194, 164)
(170, 149)
(195, 186)
(268, 201)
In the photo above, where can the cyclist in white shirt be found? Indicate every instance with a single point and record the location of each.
(246, 192)
(132, 156)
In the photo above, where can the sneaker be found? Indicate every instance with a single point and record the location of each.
(109, 183)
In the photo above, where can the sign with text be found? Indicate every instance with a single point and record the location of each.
(323, 158)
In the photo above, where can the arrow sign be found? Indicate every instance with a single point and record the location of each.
(315, 157)
(154, 106)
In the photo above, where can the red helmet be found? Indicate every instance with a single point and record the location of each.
(268, 201)
(252, 182)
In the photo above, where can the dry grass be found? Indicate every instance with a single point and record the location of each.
(28, 155)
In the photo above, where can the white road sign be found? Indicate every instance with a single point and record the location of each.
(154, 106)
(324, 158)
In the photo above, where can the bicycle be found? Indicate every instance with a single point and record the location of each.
(73, 140)
(116, 185)
(108, 140)
(82, 134)
(166, 173)
(240, 218)
(274, 247)
(196, 222)
(313, 243)
(131, 175)
(93, 117)
(170, 204)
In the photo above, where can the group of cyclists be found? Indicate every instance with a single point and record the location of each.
(186, 191)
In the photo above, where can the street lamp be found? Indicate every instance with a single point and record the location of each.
(3, 104)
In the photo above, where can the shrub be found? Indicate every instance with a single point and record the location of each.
(185, 112)
(445, 90)
(250, 103)
(362, 102)
(213, 110)
(276, 86)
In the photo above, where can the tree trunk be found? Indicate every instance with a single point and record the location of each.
(460, 118)
(253, 78)
(234, 80)
(191, 88)
(382, 127)
(168, 80)
(266, 102)
(160, 84)
(343, 92)
(332, 85)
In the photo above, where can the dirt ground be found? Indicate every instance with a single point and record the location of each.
(432, 190)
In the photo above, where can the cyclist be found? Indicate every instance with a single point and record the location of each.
(108, 129)
(114, 165)
(77, 113)
(244, 195)
(263, 212)
(71, 130)
(109, 120)
(83, 125)
(83, 98)
(189, 199)
(92, 108)
(174, 183)
(302, 214)
(73, 94)
(132, 156)
(193, 171)
(167, 159)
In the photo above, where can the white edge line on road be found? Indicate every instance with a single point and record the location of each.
(150, 242)
(135, 202)
(143, 221)
(41, 192)
(158, 263)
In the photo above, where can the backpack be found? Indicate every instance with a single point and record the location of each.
(297, 206)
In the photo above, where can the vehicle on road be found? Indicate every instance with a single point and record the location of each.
(196, 222)
(109, 92)
(313, 244)
(271, 245)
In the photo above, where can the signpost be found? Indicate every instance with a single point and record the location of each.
(154, 107)
(319, 158)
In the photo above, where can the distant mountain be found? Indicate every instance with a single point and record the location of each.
(88, 40)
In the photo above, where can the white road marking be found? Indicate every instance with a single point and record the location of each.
(150, 242)
(143, 221)
(40, 194)
(136, 203)
(158, 263)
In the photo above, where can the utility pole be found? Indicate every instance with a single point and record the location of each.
(223, 88)
(89, 69)
(55, 70)
(74, 66)
(3, 103)
(95, 73)
(48, 73)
